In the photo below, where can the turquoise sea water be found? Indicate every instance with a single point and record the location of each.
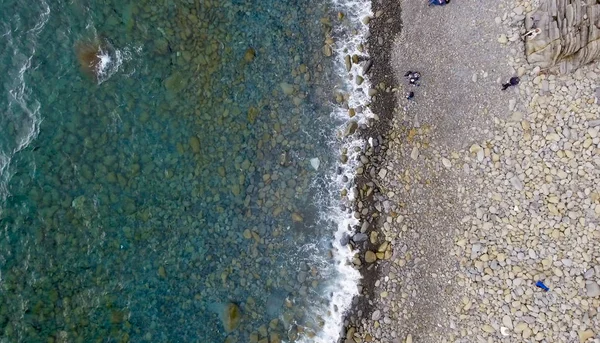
(144, 198)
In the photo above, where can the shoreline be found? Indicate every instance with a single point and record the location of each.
(382, 32)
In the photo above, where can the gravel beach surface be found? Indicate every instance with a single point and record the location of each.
(483, 197)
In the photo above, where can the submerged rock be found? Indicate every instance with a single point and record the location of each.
(249, 55)
(314, 162)
(231, 317)
(175, 83)
(229, 314)
(287, 88)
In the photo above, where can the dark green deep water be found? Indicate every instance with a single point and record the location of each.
(135, 206)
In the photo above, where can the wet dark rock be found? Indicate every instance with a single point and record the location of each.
(367, 66)
(344, 240)
(359, 237)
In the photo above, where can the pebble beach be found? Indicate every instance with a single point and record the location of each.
(488, 199)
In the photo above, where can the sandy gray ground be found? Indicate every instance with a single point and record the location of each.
(455, 49)
(452, 46)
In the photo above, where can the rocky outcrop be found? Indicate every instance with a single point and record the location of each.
(569, 37)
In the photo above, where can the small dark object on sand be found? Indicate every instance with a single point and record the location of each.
(438, 2)
(512, 82)
(412, 77)
(410, 95)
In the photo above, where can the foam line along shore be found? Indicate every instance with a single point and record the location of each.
(384, 23)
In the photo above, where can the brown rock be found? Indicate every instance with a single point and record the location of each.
(195, 144)
(231, 317)
(370, 256)
(249, 55)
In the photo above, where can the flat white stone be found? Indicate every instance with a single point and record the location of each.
(315, 163)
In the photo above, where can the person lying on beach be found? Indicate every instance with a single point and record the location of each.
(531, 34)
(438, 2)
(512, 82)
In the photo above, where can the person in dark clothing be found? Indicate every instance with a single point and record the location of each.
(413, 77)
(410, 95)
(438, 2)
(512, 82)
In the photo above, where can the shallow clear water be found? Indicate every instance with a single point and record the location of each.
(139, 202)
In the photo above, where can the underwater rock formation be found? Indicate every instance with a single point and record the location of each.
(94, 56)
(229, 314)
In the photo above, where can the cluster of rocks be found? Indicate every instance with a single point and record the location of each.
(531, 212)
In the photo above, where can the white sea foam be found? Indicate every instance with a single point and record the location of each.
(343, 286)
(111, 58)
(111, 62)
(21, 116)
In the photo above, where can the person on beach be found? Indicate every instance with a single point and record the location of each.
(512, 82)
(531, 34)
(413, 77)
(438, 2)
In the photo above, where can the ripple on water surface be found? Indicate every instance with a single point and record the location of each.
(183, 183)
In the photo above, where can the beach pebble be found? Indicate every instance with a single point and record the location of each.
(370, 256)
(592, 289)
(315, 162)
(584, 335)
(382, 173)
(360, 237)
(376, 315)
(414, 153)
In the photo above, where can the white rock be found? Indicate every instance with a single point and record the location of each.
(376, 315)
(480, 155)
(519, 10)
(315, 162)
(502, 39)
(414, 153)
(517, 184)
(383, 173)
(507, 321)
(446, 162)
(589, 273)
(592, 289)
